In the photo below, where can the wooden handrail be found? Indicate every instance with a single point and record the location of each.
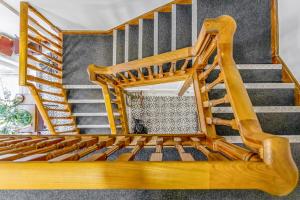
(230, 171)
(35, 72)
(217, 36)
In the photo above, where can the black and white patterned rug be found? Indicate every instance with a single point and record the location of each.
(164, 114)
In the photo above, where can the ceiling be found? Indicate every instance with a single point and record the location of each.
(86, 14)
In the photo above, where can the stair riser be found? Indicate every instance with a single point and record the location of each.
(85, 94)
(146, 38)
(94, 120)
(263, 97)
(95, 131)
(88, 108)
(87, 120)
(162, 32)
(274, 123)
(118, 46)
(131, 42)
(181, 26)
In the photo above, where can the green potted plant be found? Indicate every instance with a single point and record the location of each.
(12, 118)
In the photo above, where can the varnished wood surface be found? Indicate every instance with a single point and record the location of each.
(266, 164)
(38, 34)
(143, 175)
(266, 150)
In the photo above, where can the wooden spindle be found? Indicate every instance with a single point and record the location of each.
(206, 73)
(44, 55)
(103, 156)
(172, 69)
(150, 73)
(44, 82)
(116, 79)
(58, 76)
(216, 102)
(38, 42)
(234, 152)
(44, 63)
(123, 77)
(211, 156)
(132, 76)
(89, 145)
(130, 156)
(44, 29)
(160, 71)
(9, 142)
(140, 74)
(184, 66)
(210, 86)
(54, 44)
(50, 93)
(224, 122)
(158, 155)
(183, 155)
(39, 149)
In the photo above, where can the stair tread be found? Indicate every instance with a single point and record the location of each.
(82, 87)
(86, 101)
(262, 109)
(257, 66)
(95, 126)
(263, 86)
(96, 114)
(238, 139)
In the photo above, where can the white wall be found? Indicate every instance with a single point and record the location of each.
(289, 31)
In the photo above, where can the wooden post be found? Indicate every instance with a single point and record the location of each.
(109, 109)
(120, 95)
(274, 31)
(203, 113)
(23, 43)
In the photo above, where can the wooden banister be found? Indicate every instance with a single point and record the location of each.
(37, 73)
(216, 37)
(52, 152)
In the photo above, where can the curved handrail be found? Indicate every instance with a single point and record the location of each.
(217, 34)
(274, 150)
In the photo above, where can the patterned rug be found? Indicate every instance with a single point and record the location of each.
(163, 114)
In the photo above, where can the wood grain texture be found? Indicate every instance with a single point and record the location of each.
(267, 164)
(43, 36)
(146, 175)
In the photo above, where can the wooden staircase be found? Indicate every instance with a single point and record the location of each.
(262, 162)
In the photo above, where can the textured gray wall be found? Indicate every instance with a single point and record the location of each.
(163, 33)
(146, 37)
(120, 46)
(82, 50)
(252, 38)
(131, 42)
